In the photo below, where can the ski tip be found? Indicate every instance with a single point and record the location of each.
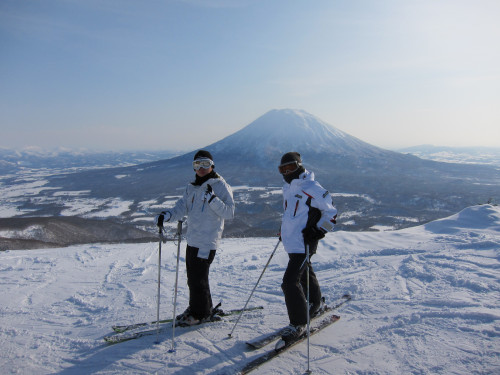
(251, 345)
(347, 296)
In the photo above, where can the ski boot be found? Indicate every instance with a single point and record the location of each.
(290, 334)
(314, 312)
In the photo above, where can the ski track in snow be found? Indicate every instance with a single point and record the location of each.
(426, 300)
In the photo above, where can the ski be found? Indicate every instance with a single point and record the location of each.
(270, 354)
(270, 337)
(130, 332)
(126, 336)
(124, 328)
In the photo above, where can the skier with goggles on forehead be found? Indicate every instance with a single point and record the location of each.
(308, 214)
(207, 202)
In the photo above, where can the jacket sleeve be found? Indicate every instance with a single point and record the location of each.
(322, 200)
(223, 203)
(179, 210)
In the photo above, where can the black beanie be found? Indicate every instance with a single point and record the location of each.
(290, 157)
(202, 154)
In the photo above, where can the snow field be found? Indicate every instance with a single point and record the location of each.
(425, 301)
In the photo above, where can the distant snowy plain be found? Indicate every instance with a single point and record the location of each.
(33, 186)
(426, 300)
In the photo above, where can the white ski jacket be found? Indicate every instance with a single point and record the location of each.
(205, 221)
(298, 196)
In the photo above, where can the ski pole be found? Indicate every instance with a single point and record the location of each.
(160, 229)
(179, 234)
(255, 287)
(308, 264)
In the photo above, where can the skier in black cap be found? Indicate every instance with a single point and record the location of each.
(308, 214)
(207, 202)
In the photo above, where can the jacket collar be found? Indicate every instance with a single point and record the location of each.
(304, 176)
(201, 180)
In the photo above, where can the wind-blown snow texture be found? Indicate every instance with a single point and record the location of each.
(426, 301)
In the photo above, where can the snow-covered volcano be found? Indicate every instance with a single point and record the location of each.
(280, 131)
(250, 157)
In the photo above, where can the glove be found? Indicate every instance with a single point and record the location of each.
(313, 234)
(161, 218)
(209, 194)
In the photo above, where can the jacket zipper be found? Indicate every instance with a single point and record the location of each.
(296, 206)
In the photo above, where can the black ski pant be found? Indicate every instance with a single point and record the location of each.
(295, 289)
(200, 299)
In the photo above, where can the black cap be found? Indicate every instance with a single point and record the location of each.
(290, 157)
(202, 154)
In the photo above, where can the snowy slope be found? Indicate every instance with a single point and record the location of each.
(426, 301)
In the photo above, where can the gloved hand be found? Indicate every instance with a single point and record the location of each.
(312, 234)
(209, 194)
(163, 216)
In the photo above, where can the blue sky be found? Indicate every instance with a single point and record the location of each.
(123, 74)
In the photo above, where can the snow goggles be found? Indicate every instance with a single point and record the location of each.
(289, 167)
(202, 163)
